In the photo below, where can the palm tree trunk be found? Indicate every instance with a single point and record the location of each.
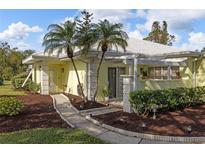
(98, 72)
(81, 89)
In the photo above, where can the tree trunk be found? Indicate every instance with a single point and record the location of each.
(81, 89)
(98, 72)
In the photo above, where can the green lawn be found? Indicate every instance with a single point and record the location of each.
(7, 89)
(48, 136)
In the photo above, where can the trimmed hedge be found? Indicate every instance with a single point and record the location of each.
(10, 106)
(143, 101)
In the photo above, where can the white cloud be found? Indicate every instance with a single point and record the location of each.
(18, 31)
(141, 13)
(176, 19)
(195, 41)
(135, 34)
(114, 15)
(22, 45)
(68, 18)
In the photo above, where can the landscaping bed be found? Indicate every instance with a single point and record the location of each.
(170, 123)
(77, 101)
(38, 112)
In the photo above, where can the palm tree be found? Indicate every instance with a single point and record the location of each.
(109, 35)
(61, 36)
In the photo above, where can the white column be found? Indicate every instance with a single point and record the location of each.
(127, 88)
(44, 79)
(92, 79)
(131, 68)
(33, 73)
(169, 72)
(135, 73)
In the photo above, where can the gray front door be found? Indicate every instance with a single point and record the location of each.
(112, 82)
(115, 81)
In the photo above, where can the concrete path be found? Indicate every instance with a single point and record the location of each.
(102, 110)
(79, 121)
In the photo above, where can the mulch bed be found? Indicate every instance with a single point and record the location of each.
(77, 101)
(38, 112)
(171, 123)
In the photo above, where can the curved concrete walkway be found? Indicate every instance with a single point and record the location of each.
(77, 120)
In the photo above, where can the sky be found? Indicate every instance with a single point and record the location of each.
(25, 28)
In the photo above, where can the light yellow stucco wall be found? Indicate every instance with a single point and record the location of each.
(71, 78)
(200, 73)
(37, 74)
(65, 76)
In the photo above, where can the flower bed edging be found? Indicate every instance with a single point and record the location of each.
(82, 111)
(149, 136)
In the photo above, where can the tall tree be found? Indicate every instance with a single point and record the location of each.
(61, 36)
(86, 35)
(11, 60)
(109, 35)
(160, 34)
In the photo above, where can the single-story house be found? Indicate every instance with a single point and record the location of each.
(150, 65)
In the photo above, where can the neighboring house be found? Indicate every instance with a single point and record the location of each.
(147, 65)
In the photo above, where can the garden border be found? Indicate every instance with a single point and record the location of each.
(83, 111)
(148, 136)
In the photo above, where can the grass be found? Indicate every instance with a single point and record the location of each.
(8, 90)
(49, 136)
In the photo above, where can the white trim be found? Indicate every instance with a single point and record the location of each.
(26, 79)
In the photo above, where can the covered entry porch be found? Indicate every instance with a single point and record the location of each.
(152, 73)
(51, 76)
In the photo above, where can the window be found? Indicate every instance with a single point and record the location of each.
(151, 72)
(158, 74)
(175, 74)
(165, 73)
(143, 73)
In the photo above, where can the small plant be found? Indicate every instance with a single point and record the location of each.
(106, 93)
(1, 81)
(10, 106)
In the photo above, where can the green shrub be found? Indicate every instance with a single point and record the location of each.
(8, 73)
(166, 100)
(1, 81)
(18, 83)
(10, 106)
(32, 86)
(18, 80)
